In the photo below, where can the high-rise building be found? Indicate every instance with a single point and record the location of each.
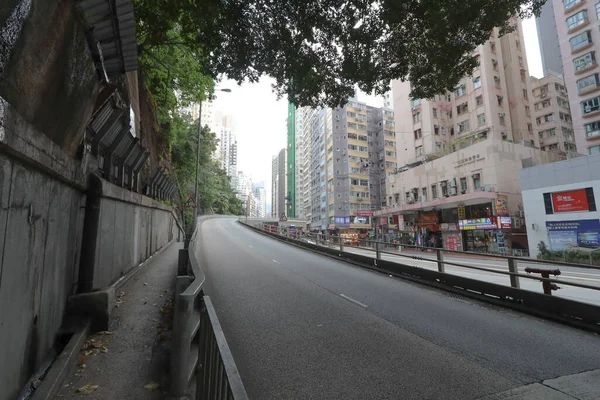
(460, 154)
(299, 178)
(320, 131)
(552, 115)
(548, 39)
(278, 184)
(260, 194)
(579, 38)
(290, 198)
(246, 193)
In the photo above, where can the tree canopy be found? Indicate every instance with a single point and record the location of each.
(317, 50)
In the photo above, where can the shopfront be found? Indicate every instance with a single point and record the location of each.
(451, 236)
(479, 235)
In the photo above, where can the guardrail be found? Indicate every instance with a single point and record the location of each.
(568, 311)
(200, 351)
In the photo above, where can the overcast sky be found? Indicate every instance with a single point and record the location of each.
(259, 119)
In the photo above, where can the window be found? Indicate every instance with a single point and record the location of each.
(438, 146)
(424, 191)
(585, 61)
(462, 108)
(527, 111)
(418, 134)
(419, 151)
(463, 185)
(476, 181)
(590, 105)
(523, 75)
(479, 101)
(502, 118)
(571, 3)
(594, 150)
(525, 95)
(495, 64)
(415, 103)
(529, 128)
(592, 129)
(497, 82)
(521, 62)
(481, 119)
(580, 41)
(587, 83)
(597, 10)
(416, 117)
(436, 129)
(434, 110)
(462, 126)
(518, 44)
(444, 185)
(544, 119)
(577, 19)
(460, 91)
(564, 117)
(477, 82)
(493, 47)
(434, 191)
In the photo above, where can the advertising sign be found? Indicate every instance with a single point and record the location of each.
(450, 226)
(400, 222)
(361, 220)
(505, 222)
(565, 235)
(477, 224)
(461, 211)
(574, 200)
(364, 213)
(428, 218)
(453, 243)
(501, 205)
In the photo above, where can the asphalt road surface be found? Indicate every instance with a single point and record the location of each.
(304, 326)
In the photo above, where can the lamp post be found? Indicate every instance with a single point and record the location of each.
(198, 155)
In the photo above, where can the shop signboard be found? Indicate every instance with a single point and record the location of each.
(453, 243)
(361, 220)
(501, 205)
(574, 200)
(477, 224)
(461, 211)
(364, 213)
(505, 222)
(565, 235)
(428, 218)
(399, 221)
(448, 226)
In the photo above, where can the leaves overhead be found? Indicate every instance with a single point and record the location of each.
(317, 50)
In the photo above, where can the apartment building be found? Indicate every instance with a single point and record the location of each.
(320, 130)
(548, 39)
(278, 182)
(290, 198)
(458, 183)
(553, 125)
(304, 116)
(576, 23)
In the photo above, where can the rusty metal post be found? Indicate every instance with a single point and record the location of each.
(512, 267)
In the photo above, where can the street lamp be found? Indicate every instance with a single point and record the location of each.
(198, 154)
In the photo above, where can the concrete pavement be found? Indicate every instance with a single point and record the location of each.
(304, 326)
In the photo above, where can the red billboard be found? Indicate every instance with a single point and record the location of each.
(363, 213)
(574, 200)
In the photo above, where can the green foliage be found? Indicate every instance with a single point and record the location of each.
(214, 189)
(542, 248)
(318, 50)
(572, 256)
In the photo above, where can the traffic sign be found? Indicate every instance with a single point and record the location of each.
(190, 203)
(283, 218)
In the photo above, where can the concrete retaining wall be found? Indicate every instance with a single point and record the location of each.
(43, 237)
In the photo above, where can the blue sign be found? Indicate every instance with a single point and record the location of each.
(565, 235)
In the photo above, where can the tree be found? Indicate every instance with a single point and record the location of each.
(318, 50)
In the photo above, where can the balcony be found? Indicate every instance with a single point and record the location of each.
(592, 135)
(572, 5)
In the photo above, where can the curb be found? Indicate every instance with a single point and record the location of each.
(119, 283)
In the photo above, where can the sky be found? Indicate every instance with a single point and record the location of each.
(259, 118)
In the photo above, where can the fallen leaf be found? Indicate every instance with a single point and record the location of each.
(105, 333)
(145, 284)
(151, 386)
(89, 352)
(104, 349)
(87, 389)
(97, 345)
(81, 359)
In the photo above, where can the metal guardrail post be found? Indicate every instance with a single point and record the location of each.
(181, 349)
(440, 260)
(377, 251)
(512, 267)
(341, 243)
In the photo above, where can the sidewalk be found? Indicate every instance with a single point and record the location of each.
(131, 360)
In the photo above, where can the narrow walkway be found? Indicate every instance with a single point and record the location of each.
(131, 360)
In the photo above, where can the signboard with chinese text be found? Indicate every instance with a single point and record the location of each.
(469, 160)
(399, 221)
(450, 226)
(565, 235)
(571, 201)
(364, 213)
(461, 211)
(505, 222)
(501, 205)
(428, 218)
(477, 224)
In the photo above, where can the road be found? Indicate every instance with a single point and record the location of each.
(568, 274)
(304, 326)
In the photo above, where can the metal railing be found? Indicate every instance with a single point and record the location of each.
(200, 351)
(379, 248)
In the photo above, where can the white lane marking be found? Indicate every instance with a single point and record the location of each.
(250, 246)
(276, 262)
(354, 301)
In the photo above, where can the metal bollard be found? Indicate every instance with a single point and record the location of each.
(440, 261)
(512, 267)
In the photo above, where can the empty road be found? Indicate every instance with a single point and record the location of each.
(303, 326)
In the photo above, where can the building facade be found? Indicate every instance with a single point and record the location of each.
(290, 197)
(278, 183)
(548, 40)
(553, 126)
(561, 206)
(576, 23)
(460, 154)
(260, 195)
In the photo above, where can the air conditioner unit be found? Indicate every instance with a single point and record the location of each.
(482, 188)
(543, 94)
(452, 190)
(541, 141)
(422, 199)
(490, 189)
(452, 183)
(520, 214)
(517, 223)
